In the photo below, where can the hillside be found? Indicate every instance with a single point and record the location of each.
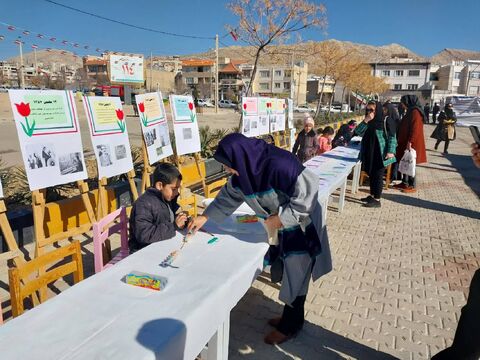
(446, 56)
(48, 58)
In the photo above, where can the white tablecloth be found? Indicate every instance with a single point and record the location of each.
(104, 318)
(333, 168)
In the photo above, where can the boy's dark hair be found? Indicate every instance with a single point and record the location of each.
(166, 173)
(319, 131)
(328, 131)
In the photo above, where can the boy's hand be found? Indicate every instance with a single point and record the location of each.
(476, 154)
(273, 223)
(197, 223)
(181, 220)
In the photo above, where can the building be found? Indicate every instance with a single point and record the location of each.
(158, 80)
(470, 78)
(284, 81)
(8, 73)
(165, 63)
(405, 76)
(314, 88)
(230, 82)
(96, 68)
(198, 74)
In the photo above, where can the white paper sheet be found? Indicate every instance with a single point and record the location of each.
(153, 121)
(250, 116)
(291, 124)
(263, 116)
(108, 131)
(1, 190)
(49, 135)
(185, 124)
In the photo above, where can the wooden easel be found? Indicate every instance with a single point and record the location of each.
(102, 205)
(38, 205)
(147, 169)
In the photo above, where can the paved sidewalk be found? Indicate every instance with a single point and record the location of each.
(401, 273)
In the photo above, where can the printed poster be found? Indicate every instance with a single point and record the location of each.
(281, 114)
(153, 121)
(185, 124)
(49, 135)
(126, 69)
(273, 115)
(250, 116)
(291, 124)
(263, 115)
(108, 131)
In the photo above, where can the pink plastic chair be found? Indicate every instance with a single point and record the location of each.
(100, 236)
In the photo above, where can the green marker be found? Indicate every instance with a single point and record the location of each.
(212, 240)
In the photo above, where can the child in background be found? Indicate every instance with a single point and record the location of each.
(306, 145)
(153, 214)
(325, 140)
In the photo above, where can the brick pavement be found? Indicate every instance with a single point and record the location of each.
(401, 273)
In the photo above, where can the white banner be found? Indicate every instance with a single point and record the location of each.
(263, 115)
(153, 121)
(250, 116)
(185, 124)
(126, 69)
(49, 135)
(108, 131)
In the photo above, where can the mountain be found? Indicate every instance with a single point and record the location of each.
(49, 59)
(446, 56)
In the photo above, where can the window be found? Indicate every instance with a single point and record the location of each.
(189, 80)
(412, 86)
(278, 72)
(286, 85)
(385, 72)
(397, 87)
(475, 75)
(413, 72)
(278, 85)
(474, 90)
(457, 75)
(398, 72)
(264, 86)
(433, 77)
(288, 73)
(265, 73)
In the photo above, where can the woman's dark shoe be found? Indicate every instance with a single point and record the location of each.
(400, 186)
(276, 337)
(373, 204)
(436, 146)
(367, 199)
(409, 189)
(274, 322)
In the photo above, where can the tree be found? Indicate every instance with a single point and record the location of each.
(265, 22)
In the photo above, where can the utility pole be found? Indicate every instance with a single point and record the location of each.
(216, 73)
(35, 56)
(151, 72)
(22, 80)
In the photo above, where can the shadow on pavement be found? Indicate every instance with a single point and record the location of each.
(466, 168)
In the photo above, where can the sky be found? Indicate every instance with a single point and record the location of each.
(424, 26)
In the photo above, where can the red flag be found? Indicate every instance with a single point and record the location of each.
(234, 35)
(2, 37)
(18, 42)
(11, 28)
(34, 46)
(26, 32)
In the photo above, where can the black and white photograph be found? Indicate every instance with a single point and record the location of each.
(40, 156)
(159, 151)
(187, 134)
(254, 124)
(104, 155)
(120, 152)
(70, 163)
(150, 136)
(246, 126)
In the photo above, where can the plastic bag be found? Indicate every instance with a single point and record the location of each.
(408, 162)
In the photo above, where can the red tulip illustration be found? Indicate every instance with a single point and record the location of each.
(245, 109)
(143, 117)
(192, 114)
(120, 122)
(24, 110)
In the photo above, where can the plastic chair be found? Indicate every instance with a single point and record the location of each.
(100, 236)
(22, 285)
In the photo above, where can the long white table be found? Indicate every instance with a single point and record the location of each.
(104, 318)
(333, 168)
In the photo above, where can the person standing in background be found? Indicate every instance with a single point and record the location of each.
(426, 110)
(435, 111)
(445, 130)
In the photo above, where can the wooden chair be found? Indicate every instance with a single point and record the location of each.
(188, 204)
(212, 189)
(388, 177)
(102, 230)
(22, 285)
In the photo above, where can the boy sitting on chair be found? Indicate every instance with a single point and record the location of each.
(153, 214)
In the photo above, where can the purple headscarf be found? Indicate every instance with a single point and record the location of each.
(261, 167)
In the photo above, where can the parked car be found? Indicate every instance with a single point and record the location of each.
(204, 103)
(227, 104)
(303, 108)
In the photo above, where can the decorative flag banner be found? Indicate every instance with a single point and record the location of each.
(153, 121)
(126, 69)
(281, 114)
(34, 46)
(11, 28)
(250, 116)
(263, 116)
(40, 36)
(2, 37)
(49, 135)
(290, 114)
(185, 124)
(108, 131)
(26, 32)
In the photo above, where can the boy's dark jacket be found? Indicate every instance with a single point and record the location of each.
(152, 219)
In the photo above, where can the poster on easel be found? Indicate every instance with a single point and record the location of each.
(49, 135)
(281, 109)
(250, 116)
(153, 121)
(274, 113)
(263, 115)
(108, 131)
(185, 124)
(290, 113)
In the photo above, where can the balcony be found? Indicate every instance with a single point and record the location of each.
(235, 82)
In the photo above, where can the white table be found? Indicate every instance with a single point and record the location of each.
(333, 168)
(105, 318)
